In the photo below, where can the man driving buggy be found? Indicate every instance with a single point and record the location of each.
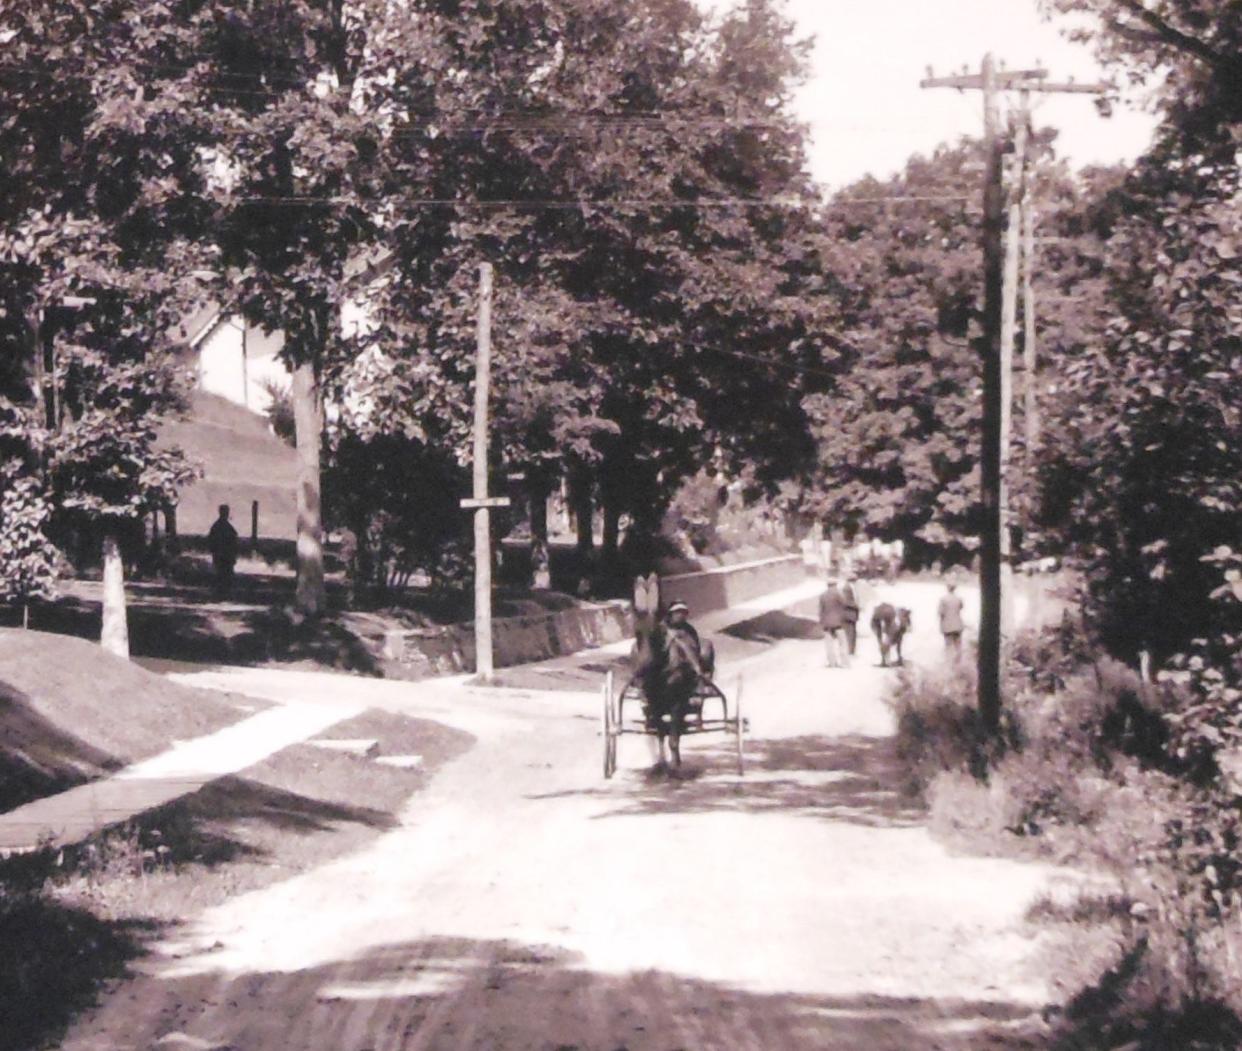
(677, 622)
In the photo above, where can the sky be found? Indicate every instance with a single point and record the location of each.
(867, 113)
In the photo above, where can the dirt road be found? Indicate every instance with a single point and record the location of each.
(526, 903)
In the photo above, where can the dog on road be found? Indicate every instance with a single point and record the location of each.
(890, 624)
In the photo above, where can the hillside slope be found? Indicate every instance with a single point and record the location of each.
(242, 462)
(70, 713)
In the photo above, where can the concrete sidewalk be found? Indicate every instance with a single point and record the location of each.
(71, 816)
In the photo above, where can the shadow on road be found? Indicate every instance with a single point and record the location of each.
(853, 779)
(467, 995)
(53, 958)
(770, 627)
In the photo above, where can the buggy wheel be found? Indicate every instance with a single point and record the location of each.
(610, 727)
(719, 694)
(739, 730)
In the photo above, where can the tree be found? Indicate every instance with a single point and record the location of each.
(296, 124)
(1145, 479)
(896, 432)
(28, 559)
(1189, 48)
(1145, 488)
(97, 224)
(628, 331)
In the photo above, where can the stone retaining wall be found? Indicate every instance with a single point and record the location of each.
(515, 640)
(520, 640)
(712, 589)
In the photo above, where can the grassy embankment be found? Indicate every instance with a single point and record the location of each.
(72, 920)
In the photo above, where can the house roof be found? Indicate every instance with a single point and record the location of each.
(200, 324)
(205, 319)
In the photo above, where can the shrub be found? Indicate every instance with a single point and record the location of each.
(966, 810)
(939, 728)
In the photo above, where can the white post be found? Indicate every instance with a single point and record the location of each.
(482, 516)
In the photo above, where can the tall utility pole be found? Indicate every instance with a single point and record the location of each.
(1030, 388)
(993, 454)
(481, 502)
(1009, 327)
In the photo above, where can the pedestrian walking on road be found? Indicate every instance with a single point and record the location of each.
(832, 621)
(951, 624)
(849, 592)
(222, 543)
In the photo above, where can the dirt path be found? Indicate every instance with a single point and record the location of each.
(527, 903)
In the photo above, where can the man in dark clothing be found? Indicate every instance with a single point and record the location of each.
(222, 543)
(849, 592)
(677, 622)
(832, 621)
(951, 624)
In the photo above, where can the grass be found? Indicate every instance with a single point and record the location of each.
(295, 810)
(71, 922)
(235, 449)
(70, 713)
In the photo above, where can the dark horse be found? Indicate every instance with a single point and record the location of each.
(666, 665)
(890, 625)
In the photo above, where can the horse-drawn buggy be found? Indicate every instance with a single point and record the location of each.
(668, 692)
(628, 711)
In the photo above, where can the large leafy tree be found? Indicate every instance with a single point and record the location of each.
(635, 339)
(1145, 490)
(100, 215)
(897, 432)
(297, 121)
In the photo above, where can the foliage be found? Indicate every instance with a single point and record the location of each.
(399, 499)
(279, 410)
(98, 219)
(1097, 773)
(694, 513)
(1188, 49)
(895, 433)
(625, 332)
(104, 462)
(939, 728)
(1208, 728)
(1144, 481)
(28, 562)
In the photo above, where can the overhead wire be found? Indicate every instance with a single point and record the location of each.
(636, 202)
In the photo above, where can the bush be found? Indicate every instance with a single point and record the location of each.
(939, 729)
(1094, 765)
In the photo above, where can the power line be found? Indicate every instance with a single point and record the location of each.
(616, 202)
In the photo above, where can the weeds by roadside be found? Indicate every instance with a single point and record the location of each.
(1092, 767)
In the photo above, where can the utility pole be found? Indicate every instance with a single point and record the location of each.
(481, 503)
(993, 454)
(1009, 326)
(1030, 388)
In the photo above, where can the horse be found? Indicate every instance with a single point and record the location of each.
(890, 625)
(667, 667)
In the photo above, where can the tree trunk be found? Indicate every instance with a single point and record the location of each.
(114, 634)
(540, 569)
(612, 530)
(308, 432)
(583, 508)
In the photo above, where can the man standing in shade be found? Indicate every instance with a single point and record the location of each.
(951, 624)
(849, 593)
(222, 543)
(832, 620)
